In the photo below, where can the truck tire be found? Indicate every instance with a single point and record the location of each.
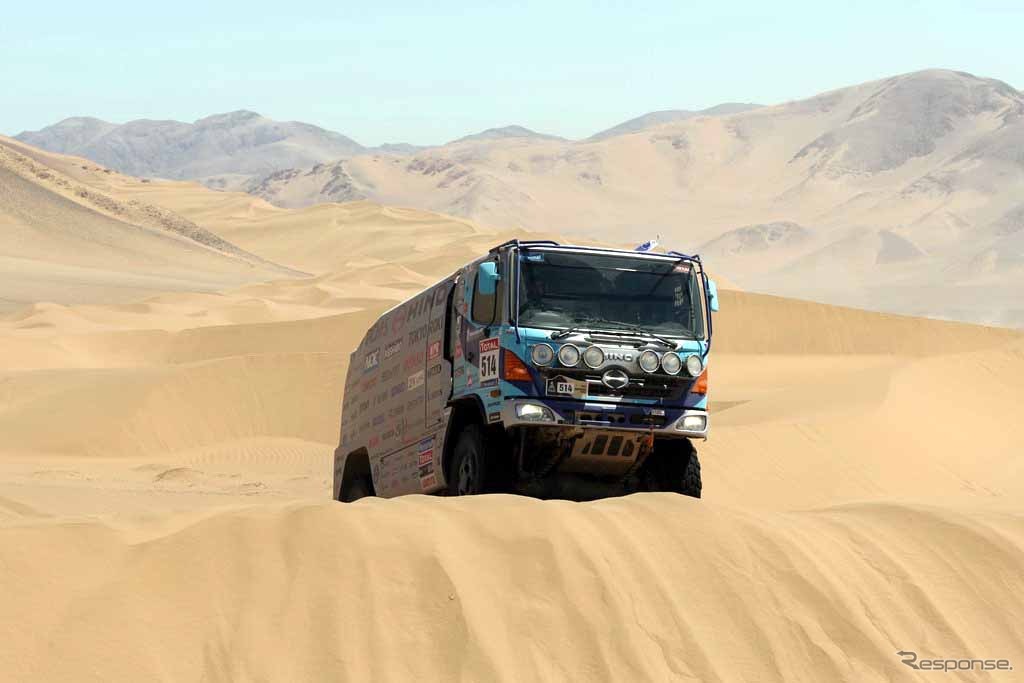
(355, 489)
(468, 473)
(674, 467)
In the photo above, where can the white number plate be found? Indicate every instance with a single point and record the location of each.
(566, 386)
(489, 350)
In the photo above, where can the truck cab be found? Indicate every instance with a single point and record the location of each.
(540, 368)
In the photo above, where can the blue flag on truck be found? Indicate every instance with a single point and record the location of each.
(647, 246)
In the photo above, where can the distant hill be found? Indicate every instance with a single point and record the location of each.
(656, 118)
(239, 142)
(506, 133)
(903, 194)
(66, 241)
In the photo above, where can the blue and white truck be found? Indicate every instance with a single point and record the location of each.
(540, 368)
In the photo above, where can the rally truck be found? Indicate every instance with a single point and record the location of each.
(540, 368)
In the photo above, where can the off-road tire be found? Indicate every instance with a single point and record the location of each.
(356, 488)
(468, 472)
(674, 467)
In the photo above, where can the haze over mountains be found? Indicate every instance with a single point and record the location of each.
(239, 143)
(904, 194)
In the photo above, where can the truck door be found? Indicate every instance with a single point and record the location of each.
(438, 387)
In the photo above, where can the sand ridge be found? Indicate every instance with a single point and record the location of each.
(165, 466)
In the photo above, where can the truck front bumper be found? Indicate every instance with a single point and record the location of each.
(665, 422)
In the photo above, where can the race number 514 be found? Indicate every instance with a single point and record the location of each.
(489, 349)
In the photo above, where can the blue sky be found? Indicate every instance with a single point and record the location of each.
(429, 72)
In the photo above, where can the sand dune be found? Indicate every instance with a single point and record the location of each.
(68, 242)
(165, 465)
(839, 524)
(499, 588)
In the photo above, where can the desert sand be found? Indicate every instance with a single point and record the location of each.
(165, 463)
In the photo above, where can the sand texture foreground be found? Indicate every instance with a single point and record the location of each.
(165, 464)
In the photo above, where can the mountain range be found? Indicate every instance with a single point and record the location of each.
(904, 194)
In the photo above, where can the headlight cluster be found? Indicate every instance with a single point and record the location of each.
(569, 355)
(671, 363)
(542, 354)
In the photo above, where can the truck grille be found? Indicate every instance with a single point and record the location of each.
(638, 387)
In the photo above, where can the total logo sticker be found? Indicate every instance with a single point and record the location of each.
(489, 350)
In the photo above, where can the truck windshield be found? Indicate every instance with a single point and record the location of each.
(601, 291)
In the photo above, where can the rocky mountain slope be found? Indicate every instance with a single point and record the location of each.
(905, 192)
(236, 143)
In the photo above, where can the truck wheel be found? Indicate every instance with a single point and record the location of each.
(355, 489)
(674, 466)
(467, 475)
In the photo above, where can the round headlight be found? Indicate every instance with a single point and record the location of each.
(648, 361)
(593, 357)
(542, 354)
(694, 365)
(671, 363)
(569, 356)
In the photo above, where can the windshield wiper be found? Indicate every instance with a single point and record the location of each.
(631, 327)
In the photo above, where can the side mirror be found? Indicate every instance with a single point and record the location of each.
(487, 278)
(712, 296)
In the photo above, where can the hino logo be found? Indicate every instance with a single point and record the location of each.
(619, 355)
(615, 379)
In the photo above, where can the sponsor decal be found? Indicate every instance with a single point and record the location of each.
(371, 361)
(435, 394)
(488, 363)
(434, 370)
(418, 335)
(397, 389)
(435, 325)
(389, 374)
(681, 267)
(397, 410)
(494, 417)
(680, 297)
(378, 420)
(434, 350)
(566, 386)
(398, 320)
(415, 380)
(374, 441)
(619, 355)
(425, 457)
(428, 482)
(393, 348)
(401, 424)
(419, 306)
(369, 383)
